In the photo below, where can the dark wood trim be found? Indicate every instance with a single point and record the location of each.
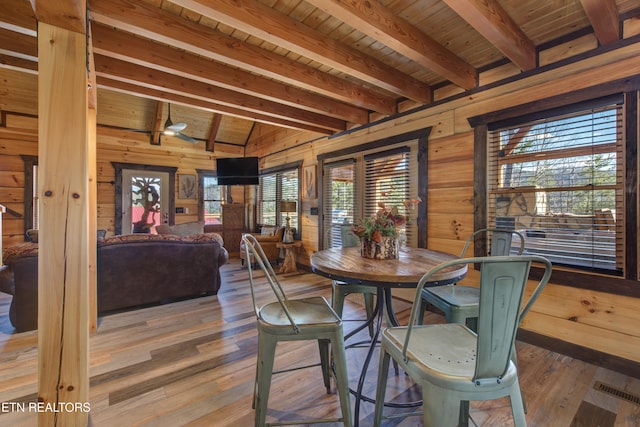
(598, 358)
(423, 193)
(118, 166)
(480, 185)
(631, 186)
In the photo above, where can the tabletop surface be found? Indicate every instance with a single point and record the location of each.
(346, 264)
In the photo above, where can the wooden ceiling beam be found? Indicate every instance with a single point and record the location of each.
(380, 23)
(494, 24)
(274, 27)
(68, 14)
(160, 95)
(213, 132)
(164, 27)
(126, 47)
(603, 15)
(152, 78)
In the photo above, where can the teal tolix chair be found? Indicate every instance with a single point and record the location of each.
(460, 303)
(295, 320)
(453, 364)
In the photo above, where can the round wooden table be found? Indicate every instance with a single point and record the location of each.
(348, 266)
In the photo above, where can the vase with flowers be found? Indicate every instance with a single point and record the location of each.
(380, 233)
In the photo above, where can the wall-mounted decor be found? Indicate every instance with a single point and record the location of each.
(187, 186)
(309, 182)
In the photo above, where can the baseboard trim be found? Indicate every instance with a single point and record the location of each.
(589, 355)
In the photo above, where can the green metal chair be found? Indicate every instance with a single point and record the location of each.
(451, 363)
(460, 303)
(340, 290)
(295, 320)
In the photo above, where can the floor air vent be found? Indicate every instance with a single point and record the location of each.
(616, 392)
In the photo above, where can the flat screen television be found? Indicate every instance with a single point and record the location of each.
(237, 171)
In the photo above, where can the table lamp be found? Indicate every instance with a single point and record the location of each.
(286, 206)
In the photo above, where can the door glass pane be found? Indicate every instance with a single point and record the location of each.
(145, 203)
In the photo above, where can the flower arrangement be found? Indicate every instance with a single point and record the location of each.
(385, 222)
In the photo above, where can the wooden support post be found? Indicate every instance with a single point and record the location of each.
(63, 261)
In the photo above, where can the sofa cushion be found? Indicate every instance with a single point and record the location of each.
(144, 237)
(19, 250)
(185, 229)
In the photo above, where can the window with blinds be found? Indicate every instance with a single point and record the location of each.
(274, 188)
(559, 180)
(355, 188)
(387, 183)
(212, 200)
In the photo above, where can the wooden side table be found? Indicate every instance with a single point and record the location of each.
(289, 263)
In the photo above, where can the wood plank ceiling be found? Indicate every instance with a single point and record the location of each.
(316, 65)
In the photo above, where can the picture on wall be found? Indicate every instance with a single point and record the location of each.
(309, 182)
(187, 186)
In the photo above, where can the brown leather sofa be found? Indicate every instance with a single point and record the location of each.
(133, 271)
(268, 243)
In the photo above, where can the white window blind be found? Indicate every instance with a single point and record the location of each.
(267, 199)
(559, 180)
(274, 188)
(388, 182)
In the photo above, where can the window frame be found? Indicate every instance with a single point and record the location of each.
(541, 157)
(378, 147)
(278, 171)
(202, 175)
(627, 284)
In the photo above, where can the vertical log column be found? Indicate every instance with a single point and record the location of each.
(63, 262)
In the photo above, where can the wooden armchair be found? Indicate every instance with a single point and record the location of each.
(267, 239)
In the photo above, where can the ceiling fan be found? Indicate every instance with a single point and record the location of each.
(175, 129)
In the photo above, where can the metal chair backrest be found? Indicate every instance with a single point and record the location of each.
(501, 240)
(503, 282)
(253, 247)
(347, 237)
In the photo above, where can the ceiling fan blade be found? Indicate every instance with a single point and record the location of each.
(186, 138)
(175, 127)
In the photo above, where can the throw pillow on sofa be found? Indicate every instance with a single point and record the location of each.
(186, 229)
(267, 231)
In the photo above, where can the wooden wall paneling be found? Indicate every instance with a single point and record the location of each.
(18, 93)
(603, 340)
(568, 49)
(24, 124)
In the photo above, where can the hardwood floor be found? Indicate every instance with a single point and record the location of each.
(191, 363)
